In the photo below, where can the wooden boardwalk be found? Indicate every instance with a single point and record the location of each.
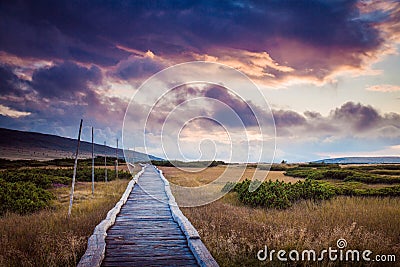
(145, 233)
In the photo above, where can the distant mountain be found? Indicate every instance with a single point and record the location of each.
(359, 160)
(30, 145)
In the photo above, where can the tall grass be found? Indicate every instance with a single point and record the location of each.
(234, 232)
(48, 237)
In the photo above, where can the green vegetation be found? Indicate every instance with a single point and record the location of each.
(355, 189)
(280, 195)
(352, 174)
(50, 238)
(274, 167)
(375, 167)
(322, 181)
(190, 164)
(23, 197)
(65, 162)
(27, 190)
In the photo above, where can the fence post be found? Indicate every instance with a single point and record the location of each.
(105, 161)
(92, 162)
(116, 161)
(71, 196)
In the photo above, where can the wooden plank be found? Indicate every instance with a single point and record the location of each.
(147, 237)
(147, 242)
(132, 258)
(130, 229)
(177, 245)
(150, 252)
(145, 224)
(150, 263)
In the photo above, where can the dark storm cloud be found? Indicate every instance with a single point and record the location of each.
(287, 118)
(65, 80)
(137, 67)
(312, 114)
(211, 101)
(240, 107)
(8, 81)
(58, 97)
(55, 30)
(349, 119)
(88, 31)
(361, 117)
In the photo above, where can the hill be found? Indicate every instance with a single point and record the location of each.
(30, 145)
(360, 160)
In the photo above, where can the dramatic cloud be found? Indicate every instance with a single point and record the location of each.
(6, 111)
(138, 67)
(9, 82)
(351, 129)
(267, 35)
(349, 119)
(359, 116)
(287, 118)
(56, 98)
(215, 102)
(65, 80)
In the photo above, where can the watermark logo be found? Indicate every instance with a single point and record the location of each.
(340, 253)
(200, 112)
(341, 243)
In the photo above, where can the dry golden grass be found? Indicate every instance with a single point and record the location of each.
(192, 177)
(49, 238)
(234, 233)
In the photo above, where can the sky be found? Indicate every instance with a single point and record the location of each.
(328, 73)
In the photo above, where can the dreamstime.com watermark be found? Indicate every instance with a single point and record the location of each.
(330, 254)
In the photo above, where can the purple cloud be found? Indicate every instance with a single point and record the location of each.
(65, 80)
(92, 31)
(359, 116)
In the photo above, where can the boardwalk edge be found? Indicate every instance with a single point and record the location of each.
(199, 250)
(96, 247)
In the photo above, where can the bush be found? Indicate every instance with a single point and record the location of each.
(347, 175)
(190, 164)
(350, 189)
(281, 195)
(22, 197)
(24, 190)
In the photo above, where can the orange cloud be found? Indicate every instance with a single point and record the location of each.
(6, 111)
(384, 88)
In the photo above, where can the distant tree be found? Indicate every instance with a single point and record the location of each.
(283, 161)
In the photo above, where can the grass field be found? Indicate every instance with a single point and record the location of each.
(234, 232)
(48, 237)
(193, 177)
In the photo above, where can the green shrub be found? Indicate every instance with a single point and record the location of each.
(347, 175)
(22, 197)
(281, 195)
(24, 190)
(189, 164)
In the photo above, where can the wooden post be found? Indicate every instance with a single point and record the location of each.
(71, 196)
(116, 161)
(92, 162)
(105, 161)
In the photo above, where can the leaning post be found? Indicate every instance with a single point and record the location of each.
(71, 195)
(92, 162)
